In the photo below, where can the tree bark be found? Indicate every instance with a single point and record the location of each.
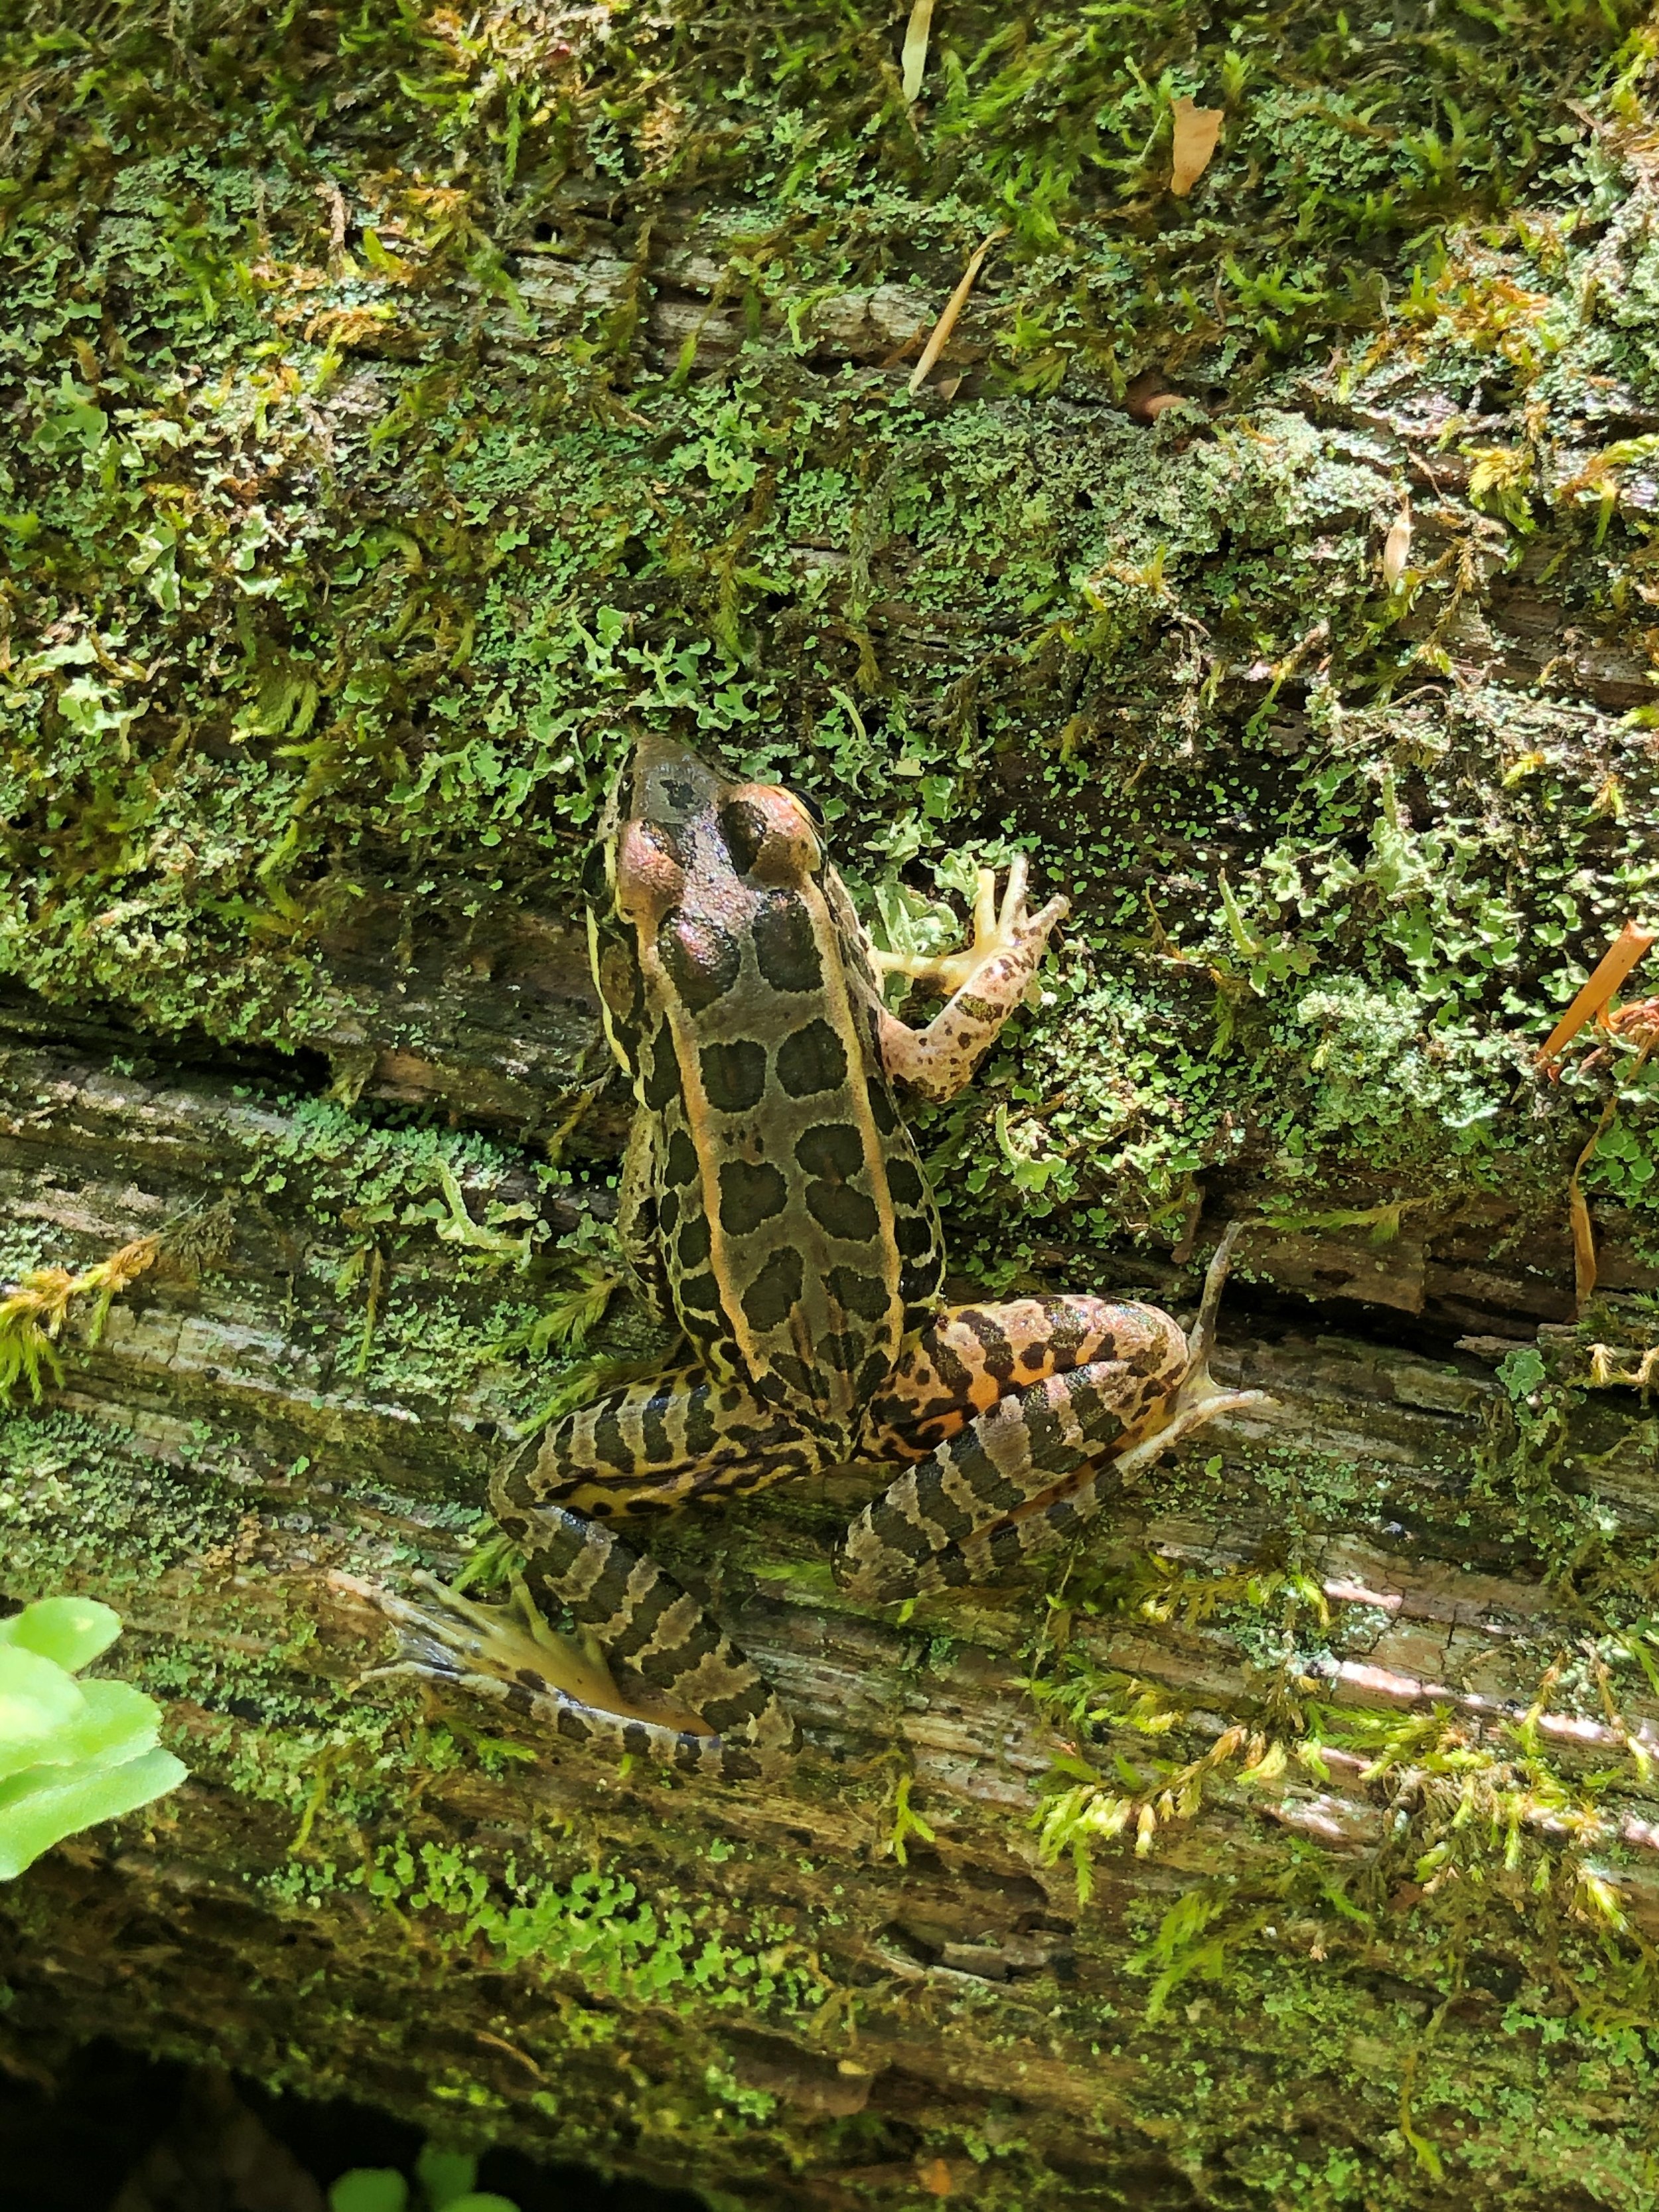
(778, 1991)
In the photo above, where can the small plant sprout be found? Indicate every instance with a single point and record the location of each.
(71, 1754)
(443, 2183)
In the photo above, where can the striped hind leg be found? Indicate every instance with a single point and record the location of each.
(738, 1729)
(1117, 1386)
(690, 1698)
(671, 1439)
(1012, 1405)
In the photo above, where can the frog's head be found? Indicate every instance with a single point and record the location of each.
(687, 823)
(667, 786)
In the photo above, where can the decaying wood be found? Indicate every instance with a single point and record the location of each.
(869, 1986)
(965, 1994)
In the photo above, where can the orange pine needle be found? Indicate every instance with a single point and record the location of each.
(940, 334)
(1609, 972)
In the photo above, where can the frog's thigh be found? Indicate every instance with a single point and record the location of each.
(971, 1357)
(660, 1443)
(1003, 1465)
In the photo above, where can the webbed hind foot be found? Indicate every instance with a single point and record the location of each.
(511, 1656)
(1197, 1399)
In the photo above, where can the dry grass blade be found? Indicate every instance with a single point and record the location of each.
(940, 337)
(914, 60)
(1397, 548)
(1584, 1237)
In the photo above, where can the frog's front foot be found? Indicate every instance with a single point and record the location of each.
(1197, 1399)
(997, 932)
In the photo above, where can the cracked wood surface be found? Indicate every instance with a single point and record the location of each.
(215, 1464)
(218, 1467)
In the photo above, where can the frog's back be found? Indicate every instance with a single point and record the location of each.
(798, 1236)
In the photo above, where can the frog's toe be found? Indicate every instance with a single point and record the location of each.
(1037, 928)
(452, 1643)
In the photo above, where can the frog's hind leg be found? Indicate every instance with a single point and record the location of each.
(691, 1699)
(649, 1446)
(1109, 1369)
(1115, 1385)
(1198, 1397)
(972, 1357)
(704, 1707)
(695, 1701)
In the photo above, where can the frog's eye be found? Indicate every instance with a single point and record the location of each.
(744, 827)
(768, 835)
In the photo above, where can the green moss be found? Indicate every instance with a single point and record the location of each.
(337, 556)
(73, 1503)
(358, 603)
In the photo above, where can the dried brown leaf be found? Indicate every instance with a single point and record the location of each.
(1583, 1246)
(1196, 130)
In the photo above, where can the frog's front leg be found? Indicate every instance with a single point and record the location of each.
(691, 1699)
(986, 982)
(1024, 1412)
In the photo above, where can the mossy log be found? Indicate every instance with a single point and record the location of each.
(872, 1981)
(395, 409)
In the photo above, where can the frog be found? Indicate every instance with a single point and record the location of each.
(773, 1208)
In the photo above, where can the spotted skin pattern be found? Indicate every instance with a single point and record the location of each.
(773, 1204)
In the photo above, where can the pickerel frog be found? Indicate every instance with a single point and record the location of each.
(773, 1204)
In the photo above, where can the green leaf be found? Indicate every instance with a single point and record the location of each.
(39, 1808)
(116, 1724)
(444, 2175)
(370, 2188)
(38, 1699)
(72, 1630)
(1521, 1372)
(482, 2200)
